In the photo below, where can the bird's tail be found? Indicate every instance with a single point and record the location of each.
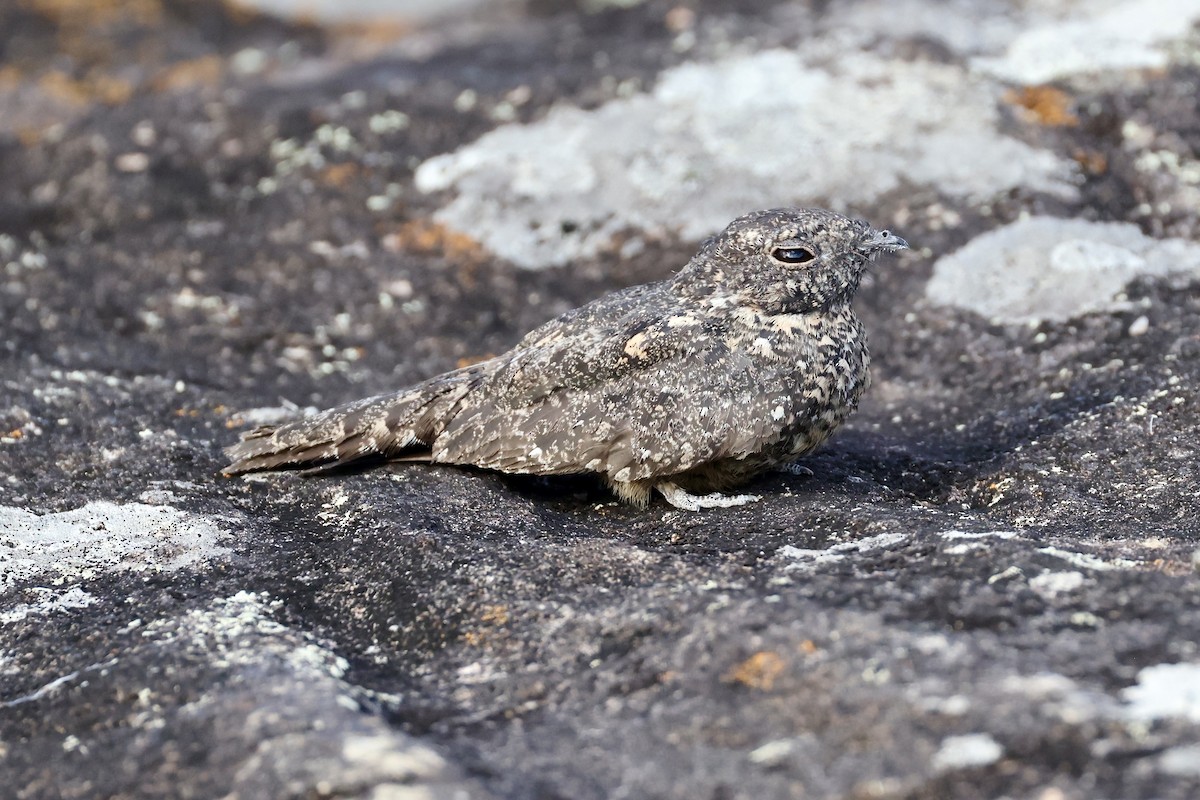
(385, 426)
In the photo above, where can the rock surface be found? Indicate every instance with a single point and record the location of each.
(211, 218)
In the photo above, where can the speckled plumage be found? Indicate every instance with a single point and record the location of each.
(746, 359)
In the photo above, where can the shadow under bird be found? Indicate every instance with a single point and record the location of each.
(749, 357)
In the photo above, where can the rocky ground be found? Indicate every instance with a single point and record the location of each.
(210, 217)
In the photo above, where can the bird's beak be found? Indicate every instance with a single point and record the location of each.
(884, 241)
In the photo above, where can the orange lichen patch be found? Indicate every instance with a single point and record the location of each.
(680, 19)
(427, 237)
(187, 412)
(202, 71)
(1093, 161)
(759, 671)
(15, 433)
(97, 13)
(241, 13)
(109, 90)
(104, 88)
(1043, 105)
(374, 31)
(93, 34)
(10, 78)
(63, 87)
(808, 647)
(338, 175)
(28, 137)
(491, 617)
(494, 615)
(1167, 566)
(467, 361)
(368, 37)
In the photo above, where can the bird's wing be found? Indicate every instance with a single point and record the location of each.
(603, 316)
(404, 423)
(646, 399)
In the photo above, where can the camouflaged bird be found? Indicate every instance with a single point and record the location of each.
(746, 359)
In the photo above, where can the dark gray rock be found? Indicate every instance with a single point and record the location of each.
(987, 588)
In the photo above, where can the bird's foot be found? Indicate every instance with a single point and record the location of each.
(792, 468)
(680, 498)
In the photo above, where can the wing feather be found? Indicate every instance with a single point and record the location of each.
(630, 417)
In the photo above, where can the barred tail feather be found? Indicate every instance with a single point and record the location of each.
(385, 426)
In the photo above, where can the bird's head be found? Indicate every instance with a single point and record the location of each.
(786, 260)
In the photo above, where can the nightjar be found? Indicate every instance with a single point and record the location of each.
(747, 358)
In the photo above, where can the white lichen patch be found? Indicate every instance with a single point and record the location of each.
(1045, 268)
(51, 602)
(1164, 691)
(1051, 584)
(713, 140)
(1094, 37)
(798, 558)
(1089, 561)
(1182, 761)
(973, 27)
(102, 537)
(965, 752)
(284, 680)
(1061, 697)
(239, 630)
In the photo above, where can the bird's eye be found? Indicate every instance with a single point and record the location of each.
(792, 255)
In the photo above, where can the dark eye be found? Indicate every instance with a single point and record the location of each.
(793, 255)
